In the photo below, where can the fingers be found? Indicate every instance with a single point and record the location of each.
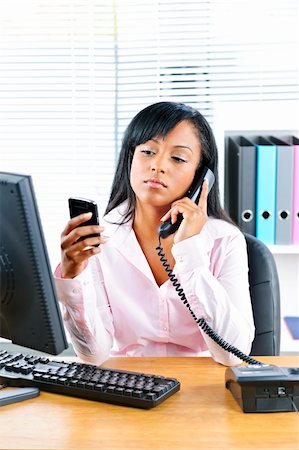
(78, 244)
(74, 256)
(73, 261)
(185, 204)
(179, 207)
(76, 221)
(194, 216)
(80, 232)
(82, 243)
(74, 229)
(203, 199)
(80, 254)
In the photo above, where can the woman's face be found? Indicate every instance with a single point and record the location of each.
(163, 168)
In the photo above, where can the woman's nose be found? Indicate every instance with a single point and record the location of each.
(158, 164)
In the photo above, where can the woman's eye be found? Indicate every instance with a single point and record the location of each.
(146, 151)
(179, 159)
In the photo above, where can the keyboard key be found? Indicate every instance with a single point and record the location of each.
(119, 390)
(151, 396)
(129, 392)
(111, 389)
(137, 393)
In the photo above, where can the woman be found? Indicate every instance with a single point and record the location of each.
(117, 297)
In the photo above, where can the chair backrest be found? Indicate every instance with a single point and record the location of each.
(265, 297)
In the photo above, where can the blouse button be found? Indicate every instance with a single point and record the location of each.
(76, 291)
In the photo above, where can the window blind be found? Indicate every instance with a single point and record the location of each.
(203, 52)
(74, 72)
(57, 90)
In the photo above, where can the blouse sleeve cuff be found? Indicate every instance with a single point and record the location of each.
(70, 290)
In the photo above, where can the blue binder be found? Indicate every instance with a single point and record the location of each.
(265, 190)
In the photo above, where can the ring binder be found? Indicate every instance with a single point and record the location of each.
(284, 191)
(266, 190)
(240, 182)
(295, 214)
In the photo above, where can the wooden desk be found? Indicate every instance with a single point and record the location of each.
(202, 415)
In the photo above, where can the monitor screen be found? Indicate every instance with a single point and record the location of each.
(29, 310)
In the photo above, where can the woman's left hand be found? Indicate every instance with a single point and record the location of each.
(194, 216)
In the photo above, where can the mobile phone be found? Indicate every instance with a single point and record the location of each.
(77, 206)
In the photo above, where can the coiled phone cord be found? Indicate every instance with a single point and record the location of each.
(201, 322)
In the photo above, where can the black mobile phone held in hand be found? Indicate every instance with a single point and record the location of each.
(79, 206)
(167, 228)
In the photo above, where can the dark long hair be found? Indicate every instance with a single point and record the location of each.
(158, 120)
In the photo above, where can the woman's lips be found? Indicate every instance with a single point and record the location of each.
(156, 184)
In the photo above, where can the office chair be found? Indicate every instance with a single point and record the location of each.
(265, 298)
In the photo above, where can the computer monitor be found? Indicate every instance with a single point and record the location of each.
(29, 310)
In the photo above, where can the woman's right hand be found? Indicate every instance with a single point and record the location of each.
(75, 252)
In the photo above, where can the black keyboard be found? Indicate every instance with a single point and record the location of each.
(120, 387)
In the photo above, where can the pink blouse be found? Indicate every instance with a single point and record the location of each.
(115, 307)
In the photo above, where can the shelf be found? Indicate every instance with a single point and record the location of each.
(284, 249)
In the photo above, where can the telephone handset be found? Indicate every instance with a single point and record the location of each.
(167, 228)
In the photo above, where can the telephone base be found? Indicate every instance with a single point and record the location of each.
(264, 388)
